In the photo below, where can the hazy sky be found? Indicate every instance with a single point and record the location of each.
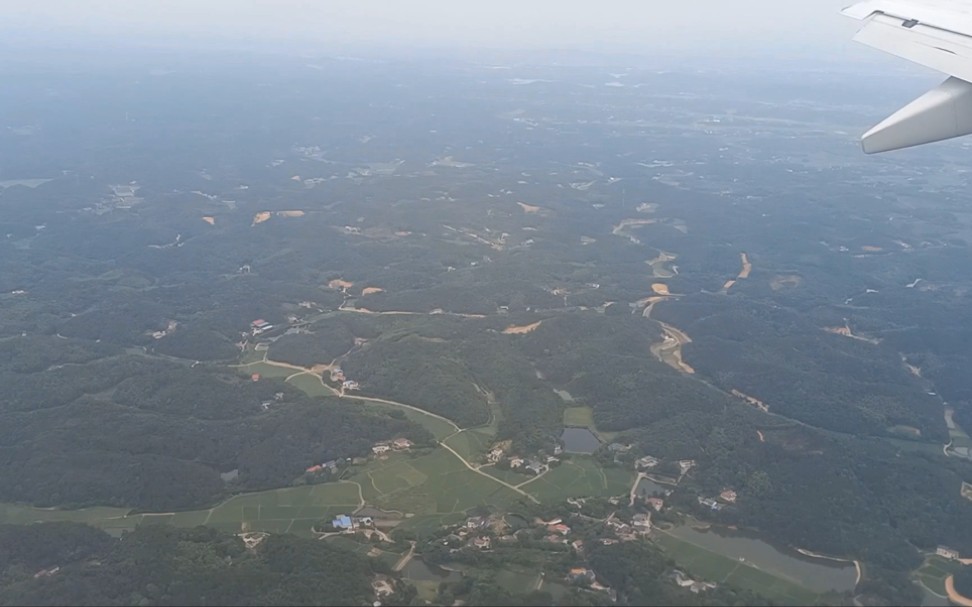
(578, 24)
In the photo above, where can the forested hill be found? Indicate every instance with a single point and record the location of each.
(67, 563)
(79, 428)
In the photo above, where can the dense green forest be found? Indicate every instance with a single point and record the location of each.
(799, 370)
(510, 197)
(162, 565)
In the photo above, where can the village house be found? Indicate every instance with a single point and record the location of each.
(708, 502)
(401, 443)
(641, 520)
(578, 546)
(728, 495)
(646, 462)
(535, 467)
(259, 326)
(343, 522)
(516, 462)
(555, 539)
(946, 552)
(580, 575)
(350, 384)
(315, 469)
(380, 448)
(482, 542)
(560, 528)
(618, 448)
(47, 572)
(494, 455)
(476, 522)
(685, 581)
(685, 465)
(656, 502)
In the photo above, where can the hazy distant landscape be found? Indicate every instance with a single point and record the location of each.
(753, 320)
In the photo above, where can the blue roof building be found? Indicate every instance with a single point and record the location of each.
(342, 522)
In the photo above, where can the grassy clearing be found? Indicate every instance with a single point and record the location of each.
(579, 416)
(267, 371)
(471, 444)
(959, 438)
(435, 483)
(22, 515)
(428, 524)
(509, 476)
(580, 477)
(293, 509)
(712, 566)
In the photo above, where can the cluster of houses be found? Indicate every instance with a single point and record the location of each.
(337, 375)
(535, 465)
(484, 533)
(259, 326)
(726, 497)
(330, 467)
(398, 444)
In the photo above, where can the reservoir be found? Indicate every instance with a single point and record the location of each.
(816, 574)
(579, 440)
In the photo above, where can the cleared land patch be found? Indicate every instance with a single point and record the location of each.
(782, 281)
(669, 350)
(522, 329)
(261, 217)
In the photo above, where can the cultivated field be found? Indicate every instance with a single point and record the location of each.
(580, 477)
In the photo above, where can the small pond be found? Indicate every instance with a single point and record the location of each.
(579, 440)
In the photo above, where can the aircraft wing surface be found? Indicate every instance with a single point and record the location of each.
(932, 33)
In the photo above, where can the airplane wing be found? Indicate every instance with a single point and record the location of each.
(932, 33)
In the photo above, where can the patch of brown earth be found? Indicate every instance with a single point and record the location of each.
(522, 329)
(261, 217)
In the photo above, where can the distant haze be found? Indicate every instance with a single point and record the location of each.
(734, 26)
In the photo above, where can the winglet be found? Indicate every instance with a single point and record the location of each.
(941, 113)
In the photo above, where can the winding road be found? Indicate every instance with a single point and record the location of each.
(385, 401)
